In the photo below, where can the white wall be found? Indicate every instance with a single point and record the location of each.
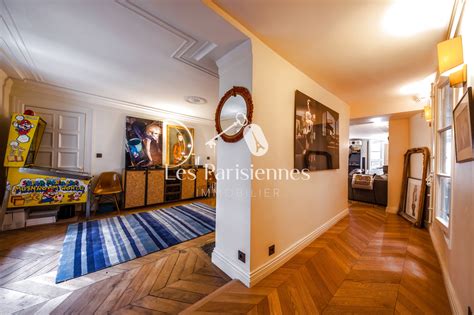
(233, 196)
(106, 122)
(420, 136)
(457, 254)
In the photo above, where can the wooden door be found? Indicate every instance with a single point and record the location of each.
(155, 187)
(201, 182)
(188, 184)
(135, 185)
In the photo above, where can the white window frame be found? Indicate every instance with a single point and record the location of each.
(443, 224)
(380, 144)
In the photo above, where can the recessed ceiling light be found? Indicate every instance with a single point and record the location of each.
(195, 100)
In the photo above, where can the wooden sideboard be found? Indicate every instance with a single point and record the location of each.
(149, 187)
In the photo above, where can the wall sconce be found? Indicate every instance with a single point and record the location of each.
(451, 61)
(427, 114)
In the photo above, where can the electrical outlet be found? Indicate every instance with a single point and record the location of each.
(98, 155)
(271, 250)
(469, 310)
(241, 256)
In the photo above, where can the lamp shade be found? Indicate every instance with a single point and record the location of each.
(450, 54)
(427, 113)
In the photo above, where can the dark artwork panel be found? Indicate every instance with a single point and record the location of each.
(143, 143)
(316, 135)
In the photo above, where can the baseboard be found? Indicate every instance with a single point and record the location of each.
(229, 267)
(391, 209)
(456, 305)
(250, 279)
(273, 264)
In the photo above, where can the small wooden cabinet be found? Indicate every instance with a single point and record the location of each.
(201, 182)
(150, 187)
(134, 188)
(155, 187)
(188, 184)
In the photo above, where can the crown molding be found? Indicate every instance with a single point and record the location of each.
(18, 58)
(16, 53)
(186, 48)
(6, 53)
(28, 86)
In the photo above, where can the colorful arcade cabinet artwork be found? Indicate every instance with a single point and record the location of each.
(29, 185)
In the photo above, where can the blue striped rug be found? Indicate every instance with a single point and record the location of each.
(95, 245)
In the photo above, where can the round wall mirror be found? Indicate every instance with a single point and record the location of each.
(233, 113)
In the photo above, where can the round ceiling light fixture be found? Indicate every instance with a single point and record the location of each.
(195, 100)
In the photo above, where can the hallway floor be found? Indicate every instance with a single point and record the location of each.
(369, 262)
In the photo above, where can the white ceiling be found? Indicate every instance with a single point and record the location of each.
(367, 52)
(139, 51)
(373, 131)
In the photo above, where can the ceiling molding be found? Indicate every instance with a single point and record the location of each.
(6, 53)
(188, 46)
(28, 86)
(25, 72)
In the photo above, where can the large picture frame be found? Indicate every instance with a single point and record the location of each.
(179, 145)
(412, 198)
(143, 142)
(316, 135)
(463, 119)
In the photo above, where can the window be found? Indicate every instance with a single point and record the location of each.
(376, 154)
(445, 99)
(444, 135)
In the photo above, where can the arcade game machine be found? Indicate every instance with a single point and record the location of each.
(32, 186)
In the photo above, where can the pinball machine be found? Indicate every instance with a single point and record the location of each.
(29, 185)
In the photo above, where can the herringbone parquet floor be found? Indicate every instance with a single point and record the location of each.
(368, 263)
(167, 281)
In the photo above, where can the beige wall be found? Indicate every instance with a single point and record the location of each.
(456, 249)
(300, 206)
(399, 140)
(300, 209)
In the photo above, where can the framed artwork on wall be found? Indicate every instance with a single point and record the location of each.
(316, 137)
(179, 145)
(463, 116)
(143, 142)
